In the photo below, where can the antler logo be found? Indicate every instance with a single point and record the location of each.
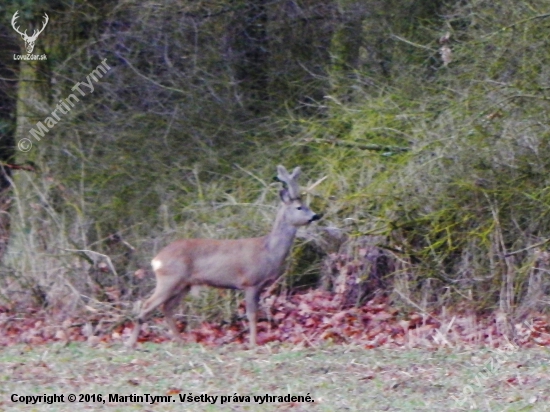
(29, 40)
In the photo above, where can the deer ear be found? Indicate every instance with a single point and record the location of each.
(285, 196)
(296, 173)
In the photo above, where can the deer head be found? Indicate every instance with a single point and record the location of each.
(297, 213)
(29, 40)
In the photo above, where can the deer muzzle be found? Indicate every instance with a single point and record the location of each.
(315, 217)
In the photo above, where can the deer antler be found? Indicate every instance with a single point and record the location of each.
(13, 19)
(290, 180)
(44, 24)
(35, 32)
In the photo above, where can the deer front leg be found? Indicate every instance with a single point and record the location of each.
(252, 296)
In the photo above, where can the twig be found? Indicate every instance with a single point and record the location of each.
(410, 302)
(136, 71)
(539, 16)
(317, 183)
(30, 167)
(83, 252)
(527, 248)
(362, 146)
(420, 46)
(250, 174)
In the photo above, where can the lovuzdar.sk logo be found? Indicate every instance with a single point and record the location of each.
(29, 40)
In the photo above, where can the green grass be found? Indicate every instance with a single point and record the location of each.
(337, 378)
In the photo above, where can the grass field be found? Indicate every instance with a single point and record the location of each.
(337, 378)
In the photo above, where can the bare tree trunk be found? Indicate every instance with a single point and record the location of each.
(348, 36)
(8, 101)
(346, 42)
(251, 44)
(31, 107)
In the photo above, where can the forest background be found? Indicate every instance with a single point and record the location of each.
(429, 120)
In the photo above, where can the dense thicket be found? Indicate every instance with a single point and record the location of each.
(429, 119)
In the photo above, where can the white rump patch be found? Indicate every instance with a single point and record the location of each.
(157, 264)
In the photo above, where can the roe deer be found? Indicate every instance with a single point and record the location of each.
(245, 264)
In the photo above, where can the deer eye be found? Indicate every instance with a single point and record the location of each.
(299, 208)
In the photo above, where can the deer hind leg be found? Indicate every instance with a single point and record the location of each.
(164, 290)
(168, 309)
(252, 296)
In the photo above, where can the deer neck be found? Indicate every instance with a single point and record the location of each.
(280, 239)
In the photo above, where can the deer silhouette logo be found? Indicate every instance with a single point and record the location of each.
(29, 40)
